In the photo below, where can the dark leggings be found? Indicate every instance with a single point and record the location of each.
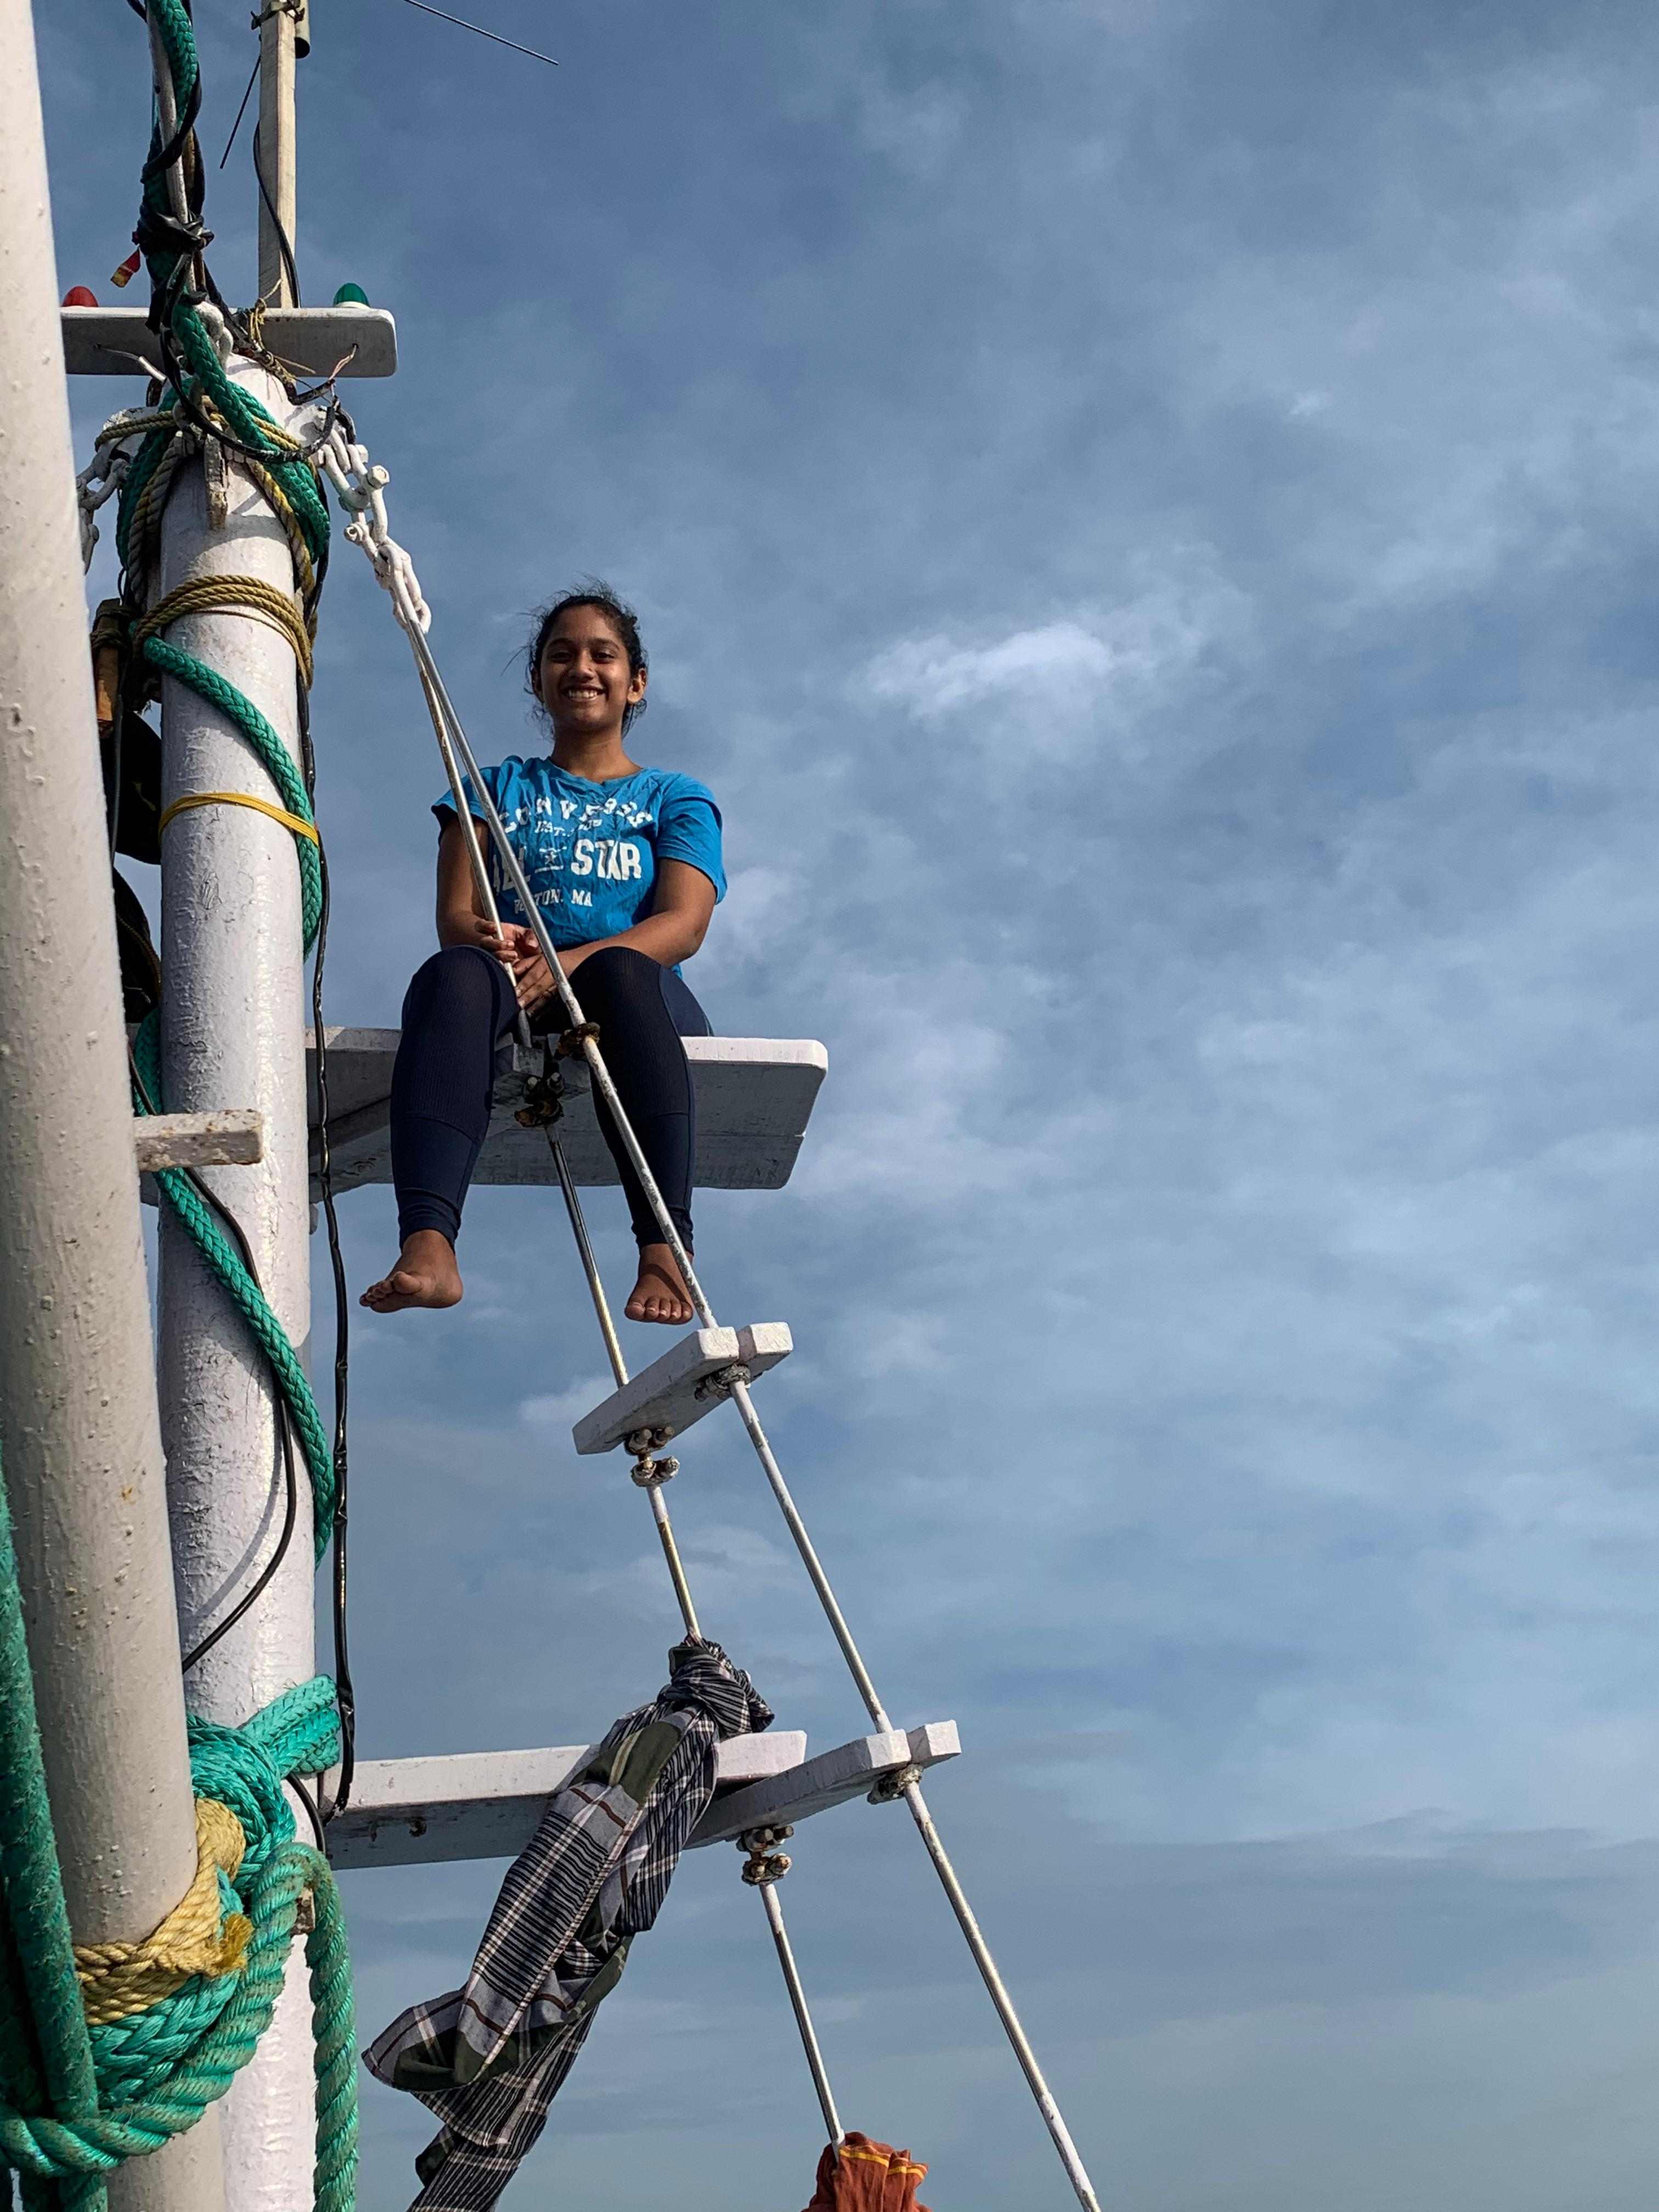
(458, 1013)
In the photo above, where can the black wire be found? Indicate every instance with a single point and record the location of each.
(252, 76)
(290, 1512)
(283, 244)
(284, 1419)
(311, 1812)
(344, 1694)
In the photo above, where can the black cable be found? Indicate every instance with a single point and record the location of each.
(344, 1695)
(251, 76)
(311, 1812)
(290, 1511)
(284, 245)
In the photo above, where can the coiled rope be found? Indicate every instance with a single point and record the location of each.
(79, 2095)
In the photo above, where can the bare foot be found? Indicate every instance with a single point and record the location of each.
(659, 1293)
(425, 1275)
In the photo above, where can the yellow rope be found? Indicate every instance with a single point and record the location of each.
(282, 508)
(279, 504)
(196, 1937)
(247, 595)
(143, 532)
(293, 821)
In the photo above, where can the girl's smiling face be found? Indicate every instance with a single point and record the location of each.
(583, 675)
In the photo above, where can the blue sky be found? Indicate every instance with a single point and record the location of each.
(1144, 516)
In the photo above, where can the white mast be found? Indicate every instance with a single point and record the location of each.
(282, 37)
(233, 1028)
(77, 1397)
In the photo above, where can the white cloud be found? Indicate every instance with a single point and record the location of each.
(931, 676)
(1086, 677)
(559, 1410)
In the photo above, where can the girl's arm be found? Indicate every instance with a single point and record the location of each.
(461, 916)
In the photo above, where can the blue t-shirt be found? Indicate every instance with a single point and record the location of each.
(590, 851)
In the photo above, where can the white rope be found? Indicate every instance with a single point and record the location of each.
(361, 487)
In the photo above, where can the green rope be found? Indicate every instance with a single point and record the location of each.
(81, 2149)
(226, 1262)
(75, 2103)
(273, 755)
(46, 2052)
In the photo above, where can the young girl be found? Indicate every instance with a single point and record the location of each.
(624, 864)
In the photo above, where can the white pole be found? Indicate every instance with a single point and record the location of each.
(278, 162)
(233, 1029)
(77, 1397)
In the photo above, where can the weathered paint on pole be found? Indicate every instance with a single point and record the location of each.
(82, 1448)
(278, 159)
(234, 1034)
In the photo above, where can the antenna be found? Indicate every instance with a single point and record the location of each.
(495, 36)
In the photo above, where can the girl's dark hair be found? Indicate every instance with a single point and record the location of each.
(622, 618)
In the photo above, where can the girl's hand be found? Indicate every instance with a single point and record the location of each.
(478, 929)
(531, 977)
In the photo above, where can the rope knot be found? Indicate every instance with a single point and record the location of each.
(198, 1937)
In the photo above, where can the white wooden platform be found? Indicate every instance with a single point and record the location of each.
(672, 1393)
(755, 1096)
(851, 1770)
(109, 341)
(484, 1805)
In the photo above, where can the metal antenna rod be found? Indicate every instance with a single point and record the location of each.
(276, 153)
(495, 37)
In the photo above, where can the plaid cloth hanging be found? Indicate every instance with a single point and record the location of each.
(488, 2059)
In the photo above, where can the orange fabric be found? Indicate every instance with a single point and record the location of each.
(867, 2177)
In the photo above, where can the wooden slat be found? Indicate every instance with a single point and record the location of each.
(485, 1804)
(755, 1097)
(230, 1136)
(671, 1395)
(104, 341)
(851, 1770)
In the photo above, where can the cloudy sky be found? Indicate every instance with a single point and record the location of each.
(1145, 516)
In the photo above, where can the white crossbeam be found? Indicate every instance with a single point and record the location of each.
(486, 1804)
(851, 1770)
(230, 1136)
(673, 1392)
(350, 340)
